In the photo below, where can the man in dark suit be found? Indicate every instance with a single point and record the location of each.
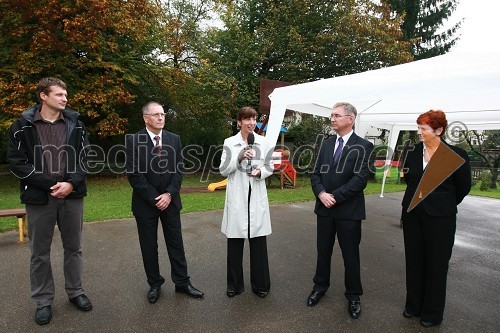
(339, 178)
(153, 167)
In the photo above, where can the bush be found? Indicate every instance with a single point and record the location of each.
(485, 180)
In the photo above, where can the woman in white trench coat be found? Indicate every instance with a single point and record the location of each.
(246, 211)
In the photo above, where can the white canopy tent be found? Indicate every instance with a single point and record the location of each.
(465, 86)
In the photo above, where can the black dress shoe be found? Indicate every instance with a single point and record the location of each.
(154, 294)
(81, 302)
(314, 297)
(426, 323)
(190, 290)
(261, 294)
(43, 315)
(354, 309)
(409, 314)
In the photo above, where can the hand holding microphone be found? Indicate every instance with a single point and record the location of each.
(249, 152)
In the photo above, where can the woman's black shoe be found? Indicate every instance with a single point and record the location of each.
(261, 294)
(409, 314)
(231, 293)
(425, 323)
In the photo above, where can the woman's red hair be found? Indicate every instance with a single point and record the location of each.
(433, 118)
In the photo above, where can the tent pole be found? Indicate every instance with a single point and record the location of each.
(384, 178)
(393, 139)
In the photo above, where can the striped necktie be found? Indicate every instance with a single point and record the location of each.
(157, 146)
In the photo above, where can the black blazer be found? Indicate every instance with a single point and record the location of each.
(346, 180)
(444, 199)
(151, 174)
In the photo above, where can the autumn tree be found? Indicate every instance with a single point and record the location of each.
(423, 25)
(194, 93)
(99, 48)
(298, 41)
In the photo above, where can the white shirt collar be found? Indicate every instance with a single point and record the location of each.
(345, 138)
(243, 143)
(152, 136)
(424, 162)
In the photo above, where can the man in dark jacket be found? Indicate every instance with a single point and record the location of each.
(154, 160)
(47, 152)
(339, 178)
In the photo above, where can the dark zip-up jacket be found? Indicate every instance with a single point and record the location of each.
(26, 161)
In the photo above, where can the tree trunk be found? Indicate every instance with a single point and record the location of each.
(494, 174)
(494, 178)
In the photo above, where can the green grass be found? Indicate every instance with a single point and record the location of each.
(109, 197)
(488, 193)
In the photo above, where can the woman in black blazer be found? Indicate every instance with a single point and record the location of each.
(438, 177)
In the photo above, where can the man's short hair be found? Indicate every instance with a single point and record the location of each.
(145, 108)
(45, 85)
(348, 108)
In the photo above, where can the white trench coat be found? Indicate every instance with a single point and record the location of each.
(235, 218)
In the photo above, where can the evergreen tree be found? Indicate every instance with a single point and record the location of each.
(422, 25)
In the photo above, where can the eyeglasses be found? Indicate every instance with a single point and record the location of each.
(337, 116)
(156, 115)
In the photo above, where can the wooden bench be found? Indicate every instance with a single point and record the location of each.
(20, 213)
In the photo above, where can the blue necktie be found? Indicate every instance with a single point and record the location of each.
(337, 153)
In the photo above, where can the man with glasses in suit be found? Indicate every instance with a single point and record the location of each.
(154, 160)
(338, 180)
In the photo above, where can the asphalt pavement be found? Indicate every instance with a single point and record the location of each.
(115, 281)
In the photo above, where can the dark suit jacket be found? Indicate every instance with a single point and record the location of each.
(346, 179)
(151, 174)
(444, 199)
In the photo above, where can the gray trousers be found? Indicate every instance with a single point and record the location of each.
(68, 214)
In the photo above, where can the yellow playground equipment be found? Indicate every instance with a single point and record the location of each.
(283, 169)
(212, 187)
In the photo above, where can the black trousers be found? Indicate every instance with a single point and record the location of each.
(259, 265)
(148, 238)
(428, 246)
(349, 236)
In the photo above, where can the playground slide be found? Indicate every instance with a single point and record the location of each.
(212, 187)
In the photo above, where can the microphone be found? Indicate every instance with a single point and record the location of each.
(250, 141)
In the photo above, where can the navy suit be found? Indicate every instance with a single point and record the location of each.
(429, 232)
(345, 179)
(151, 174)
